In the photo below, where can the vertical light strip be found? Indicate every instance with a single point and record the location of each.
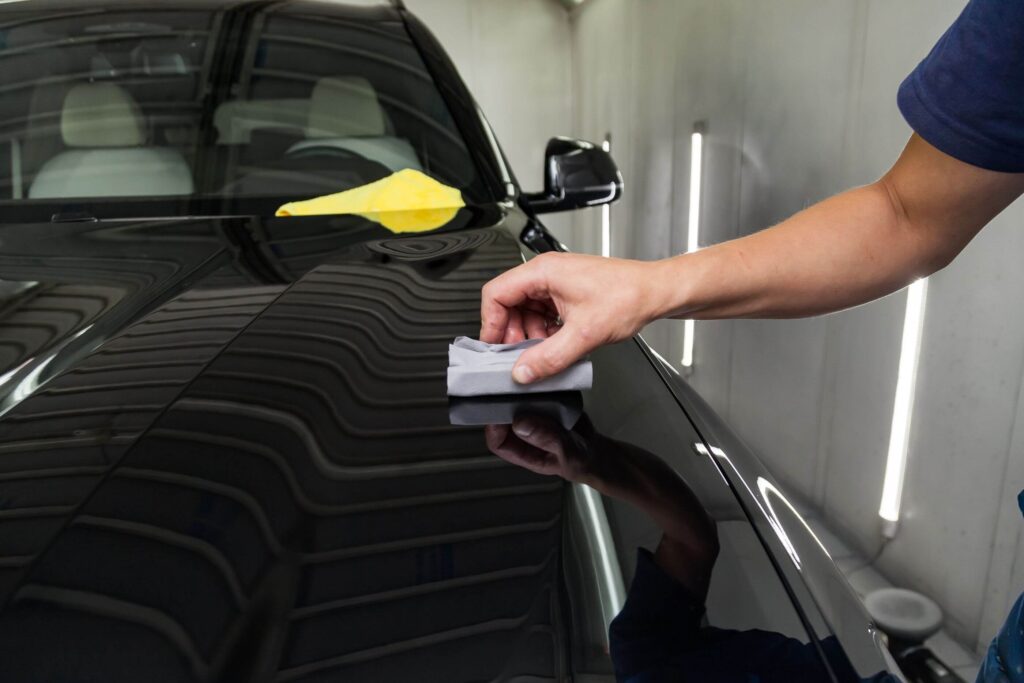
(606, 210)
(696, 167)
(693, 226)
(605, 551)
(903, 406)
(688, 330)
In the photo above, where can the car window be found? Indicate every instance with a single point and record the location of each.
(239, 104)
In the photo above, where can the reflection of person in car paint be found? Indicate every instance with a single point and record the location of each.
(660, 633)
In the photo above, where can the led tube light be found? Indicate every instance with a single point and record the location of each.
(902, 411)
(606, 211)
(693, 226)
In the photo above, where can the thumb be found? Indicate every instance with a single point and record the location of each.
(551, 356)
(539, 431)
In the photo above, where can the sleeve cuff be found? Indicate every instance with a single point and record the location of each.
(948, 137)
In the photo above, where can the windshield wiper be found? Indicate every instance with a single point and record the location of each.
(86, 217)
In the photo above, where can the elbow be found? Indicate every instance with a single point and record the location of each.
(938, 259)
(928, 247)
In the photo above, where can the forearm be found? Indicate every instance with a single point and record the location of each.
(646, 481)
(844, 251)
(689, 544)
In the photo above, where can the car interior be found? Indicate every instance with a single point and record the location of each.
(106, 150)
(108, 145)
(135, 110)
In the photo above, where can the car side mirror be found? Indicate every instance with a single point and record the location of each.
(577, 174)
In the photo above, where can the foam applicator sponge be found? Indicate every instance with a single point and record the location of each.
(479, 369)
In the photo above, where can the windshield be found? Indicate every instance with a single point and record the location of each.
(232, 110)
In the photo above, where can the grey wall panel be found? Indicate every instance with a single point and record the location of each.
(863, 344)
(967, 390)
(714, 98)
(605, 109)
(795, 107)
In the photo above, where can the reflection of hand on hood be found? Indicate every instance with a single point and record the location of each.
(689, 546)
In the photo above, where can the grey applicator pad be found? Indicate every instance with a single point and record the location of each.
(479, 369)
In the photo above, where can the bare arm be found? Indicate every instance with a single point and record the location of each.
(848, 249)
(841, 252)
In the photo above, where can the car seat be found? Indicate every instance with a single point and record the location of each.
(237, 120)
(103, 129)
(344, 112)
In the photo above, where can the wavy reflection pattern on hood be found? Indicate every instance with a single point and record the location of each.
(281, 458)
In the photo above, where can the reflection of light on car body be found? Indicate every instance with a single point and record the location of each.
(31, 381)
(590, 501)
(764, 487)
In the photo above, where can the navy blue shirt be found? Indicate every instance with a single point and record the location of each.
(967, 97)
(660, 637)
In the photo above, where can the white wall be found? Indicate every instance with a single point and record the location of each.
(800, 102)
(516, 59)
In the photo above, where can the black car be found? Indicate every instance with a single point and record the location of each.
(226, 448)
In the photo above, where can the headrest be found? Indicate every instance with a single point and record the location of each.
(236, 120)
(344, 106)
(101, 115)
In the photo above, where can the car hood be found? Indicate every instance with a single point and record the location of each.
(216, 436)
(226, 453)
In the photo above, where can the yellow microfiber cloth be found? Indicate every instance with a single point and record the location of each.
(405, 201)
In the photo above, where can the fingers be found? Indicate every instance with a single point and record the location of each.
(535, 325)
(540, 432)
(506, 292)
(504, 444)
(554, 354)
(495, 435)
(514, 332)
(493, 321)
(523, 287)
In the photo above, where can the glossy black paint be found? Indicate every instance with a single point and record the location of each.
(826, 600)
(226, 454)
(577, 174)
(257, 478)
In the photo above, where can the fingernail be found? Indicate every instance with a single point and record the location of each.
(523, 374)
(523, 428)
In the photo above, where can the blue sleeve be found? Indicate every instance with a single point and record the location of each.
(659, 636)
(659, 620)
(967, 97)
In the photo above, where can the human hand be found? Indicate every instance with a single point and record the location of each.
(539, 444)
(574, 302)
